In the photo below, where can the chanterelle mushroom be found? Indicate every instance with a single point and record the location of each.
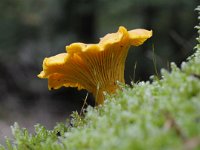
(94, 67)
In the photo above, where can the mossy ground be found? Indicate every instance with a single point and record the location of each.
(157, 114)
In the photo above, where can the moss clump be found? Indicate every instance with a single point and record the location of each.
(163, 114)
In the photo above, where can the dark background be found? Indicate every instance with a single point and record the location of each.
(34, 29)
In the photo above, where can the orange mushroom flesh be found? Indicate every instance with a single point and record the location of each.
(94, 67)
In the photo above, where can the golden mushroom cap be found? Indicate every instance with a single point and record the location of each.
(94, 67)
(139, 36)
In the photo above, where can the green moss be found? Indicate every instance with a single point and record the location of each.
(162, 114)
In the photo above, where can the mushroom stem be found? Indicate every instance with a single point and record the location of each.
(100, 96)
(114, 64)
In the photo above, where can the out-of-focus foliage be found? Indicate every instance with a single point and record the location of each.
(194, 61)
(163, 114)
(84, 19)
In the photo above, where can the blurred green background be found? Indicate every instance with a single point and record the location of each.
(34, 29)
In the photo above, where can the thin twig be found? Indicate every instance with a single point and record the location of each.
(135, 66)
(84, 103)
(171, 124)
(154, 61)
